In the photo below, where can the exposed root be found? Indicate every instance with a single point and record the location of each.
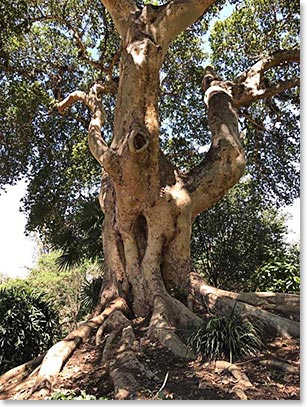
(286, 304)
(20, 372)
(242, 381)
(286, 367)
(120, 355)
(161, 329)
(223, 302)
(59, 353)
(182, 314)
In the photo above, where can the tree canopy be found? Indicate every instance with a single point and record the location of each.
(51, 48)
(160, 170)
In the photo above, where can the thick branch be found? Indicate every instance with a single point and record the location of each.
(120, 11)
(224, 164)
(96, 143)
(180, 14)
(279, 87)
(266, 63)
(249, 86)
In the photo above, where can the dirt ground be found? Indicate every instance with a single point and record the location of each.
(181, 380)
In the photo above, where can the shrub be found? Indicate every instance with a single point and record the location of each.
(223, 337)
(71, 395)
(28, 326)
(278, 276)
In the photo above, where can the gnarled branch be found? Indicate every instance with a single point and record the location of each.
(97, 144)
(249, 86)
(224, 163)
(277, 58)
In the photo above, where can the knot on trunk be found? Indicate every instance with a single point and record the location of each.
(209, 76)
(213, 85)
(138, 139)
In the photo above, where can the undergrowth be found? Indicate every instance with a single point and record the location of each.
(71, 395)
(226, 338)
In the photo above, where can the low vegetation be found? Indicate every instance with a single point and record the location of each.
(29, 325)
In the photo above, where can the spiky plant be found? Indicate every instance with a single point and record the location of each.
(89, 294)
(226, 337)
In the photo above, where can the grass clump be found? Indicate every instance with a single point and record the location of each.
(226, 338)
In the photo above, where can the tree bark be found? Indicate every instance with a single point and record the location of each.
(149, 204)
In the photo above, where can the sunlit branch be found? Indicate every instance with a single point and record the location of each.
(97, 144)
(249, 86)
(277, 58)
(180, 14)
(224, 163)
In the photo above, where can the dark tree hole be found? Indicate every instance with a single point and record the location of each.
(139, 141)
(141, 235)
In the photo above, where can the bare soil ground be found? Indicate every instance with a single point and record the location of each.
(183, 380)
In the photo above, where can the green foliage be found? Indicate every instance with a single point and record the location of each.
(222, 337)
(279, 275)
(42, 65)
(29, 325)
(71, 395)
(61, 286)
(89, 294)
(236, 237)
(64, 285)
(80, 237)
(41, 62)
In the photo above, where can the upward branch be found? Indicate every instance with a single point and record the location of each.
(120, 11)
(224, 163)
(97, 144)
(180, 14)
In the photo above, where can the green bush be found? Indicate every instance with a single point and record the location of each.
(226, 338)
(71, 395)
(278, 276)
(28, 326)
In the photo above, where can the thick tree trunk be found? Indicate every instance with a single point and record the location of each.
(150, 205)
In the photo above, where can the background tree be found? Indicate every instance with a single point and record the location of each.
(235, 238)
(70, 52)
(64, 288)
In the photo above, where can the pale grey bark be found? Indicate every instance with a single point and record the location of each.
(249, 87)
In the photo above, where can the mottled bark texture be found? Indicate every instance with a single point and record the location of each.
(149, 205)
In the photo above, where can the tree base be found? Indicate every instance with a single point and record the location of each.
(112, 349)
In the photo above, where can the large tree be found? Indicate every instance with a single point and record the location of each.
(149, 201)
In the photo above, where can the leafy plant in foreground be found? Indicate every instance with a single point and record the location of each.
(28, 326)
(226, 337)
(71, 395)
